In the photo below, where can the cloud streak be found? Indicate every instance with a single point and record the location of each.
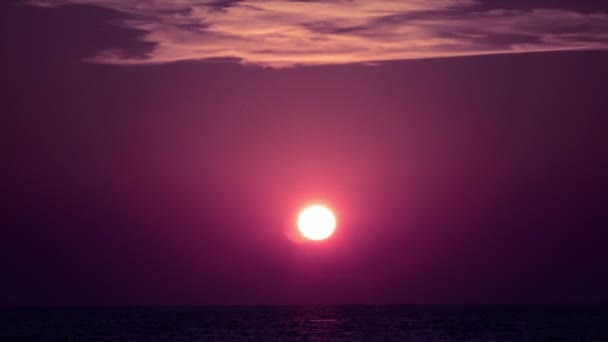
(281, 33)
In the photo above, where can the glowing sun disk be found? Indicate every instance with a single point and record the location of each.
(316, 223)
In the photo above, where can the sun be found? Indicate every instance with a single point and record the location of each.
(317, 222)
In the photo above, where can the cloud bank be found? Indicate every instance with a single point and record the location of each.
(284, 33)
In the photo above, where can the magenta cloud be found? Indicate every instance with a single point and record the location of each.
(283, 33)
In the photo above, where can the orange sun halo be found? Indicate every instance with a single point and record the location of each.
(317, 222)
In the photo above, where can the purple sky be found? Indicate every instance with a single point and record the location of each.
(159, 154)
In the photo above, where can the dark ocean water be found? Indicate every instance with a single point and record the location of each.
(308, 323)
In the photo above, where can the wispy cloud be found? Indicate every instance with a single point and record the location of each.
(282, 33)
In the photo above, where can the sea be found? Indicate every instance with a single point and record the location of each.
(309, 323)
